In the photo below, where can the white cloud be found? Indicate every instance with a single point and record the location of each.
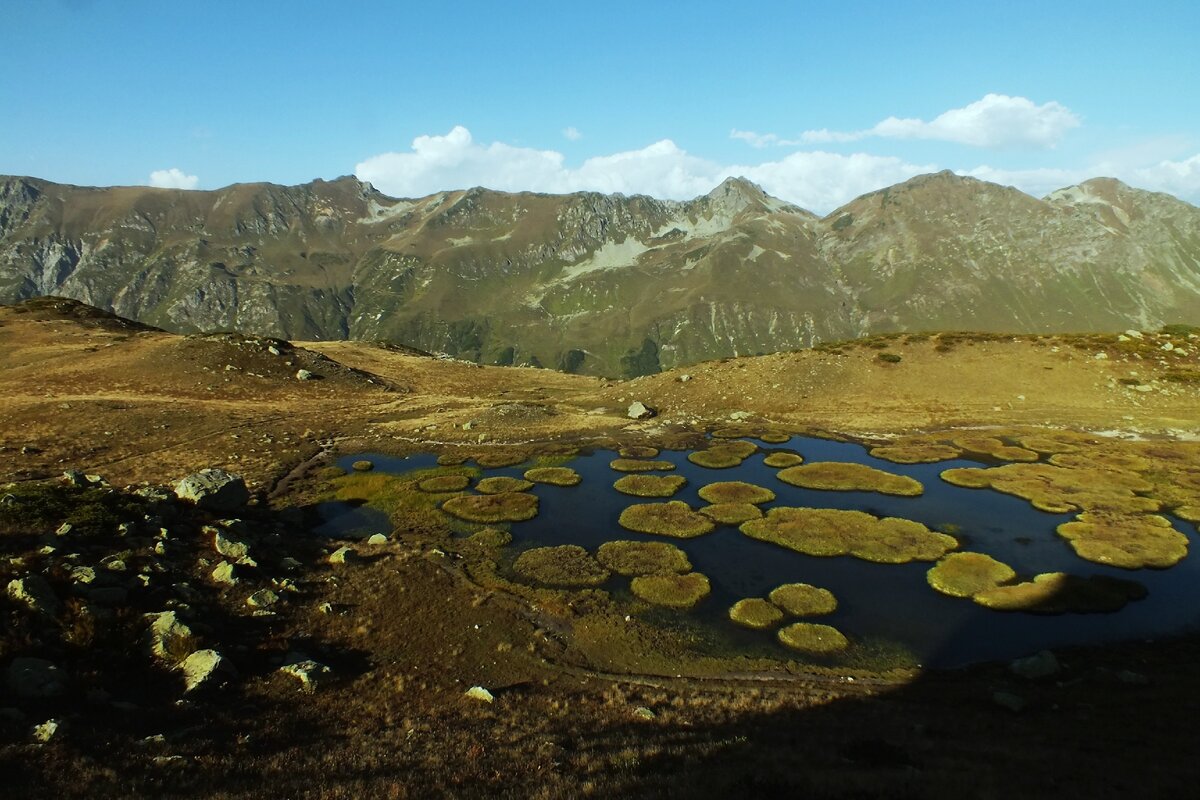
(814, 180)
(173, 178)
(761, 140)
(997, 121)
(1179, 178)
(572, 133)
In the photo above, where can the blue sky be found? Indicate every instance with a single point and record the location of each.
(817, 102)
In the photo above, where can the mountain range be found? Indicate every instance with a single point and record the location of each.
(605, 284)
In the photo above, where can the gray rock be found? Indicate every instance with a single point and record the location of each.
(168, 638)
(377, 539)
(64, 529)
(479, 693)
(83, 574)
(263, 598)
(225, 573)
(1038, 665)
(35, 593)
(213, 490)
(304, 375)
(310, 673)
(343, 555)
(230, 547)
(203, 669)
(35, 678)
(639, 410)
(46, 731)
(738, 416)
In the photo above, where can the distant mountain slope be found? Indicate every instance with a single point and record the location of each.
(605, 284)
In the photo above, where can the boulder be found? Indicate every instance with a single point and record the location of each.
(310, 673)
(168, 638)
(46, 731)
(479, 693)
(225, 573)
(639, 410)
(35, 679)
(263, 598)
(377, 539)
(35, 593)
(230, 547)
(203, 669)
(213, 490)
(304, 375)
(343, 555)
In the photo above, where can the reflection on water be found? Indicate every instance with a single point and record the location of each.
(881, 602)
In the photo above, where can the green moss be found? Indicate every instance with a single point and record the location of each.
(401, 496)
(643, 558)
(41, 507)
(756, 613)
(673, 518)
(773, 437)
(735, 492)
(506, 507)
(452, 459)
(1059, 593)
(1129, 541)
(839, 476)
(780, 460)
(494, 459)
(991, 446)
(650, 485)
(804, 600)
(732, 513)
(672, 591)
(723, 456)
(809, 637)
(968, 574)
(638, 451)
(555, 476)
(563, 565)
(440, 484)
(502, 483)
(491, 537)
(833, 532)
(363, 466)
(1058, 489)
(633, 465)
(915, 452)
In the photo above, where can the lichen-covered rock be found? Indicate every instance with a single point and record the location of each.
(225, 573)
(263, 598)
(34, 593)
(213, 490)
(311, 674)
(204, 669)
(35, 679)
(168, 639)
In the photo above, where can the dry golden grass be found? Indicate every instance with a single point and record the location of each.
(633, 465)
(915, 452)
(444, 483)
(638, 451)
(1060, 593)
(846, 477)
(1058, 489)
(779, 460)
(994, 447)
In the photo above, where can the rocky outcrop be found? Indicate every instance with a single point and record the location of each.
(213, 490)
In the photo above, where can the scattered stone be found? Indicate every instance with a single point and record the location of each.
(35, 593)
(1038, 665)
(1132, 334)
(738, 416)
(325, 608)
(1013, 702)
(479, 693)
(230, 547)
(263, 598)
(204, 668)
(304, 375)
(225, 573)
(641, 712)
(1101, 356)
(639, 410)
(213, 490)
(169, 639)
(377, 539)
(74, 477)
(684, 378)
(343, 555)
(64, 529)
(35, 679)
(46, 731)
(310, 673)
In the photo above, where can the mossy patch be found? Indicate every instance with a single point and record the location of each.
(735, 492)
(833, 532)
(643, 558)
(783, 460)
(491, 538)
(638, 451)
(650, 485)
(672, 591)
(494, 459)
(440, 484)
(968, 574)
(673, 518)
(756, 613)
(1129, 541)
(732, 513)
(505, 507)
(724, 455)
(1058, 489)
(810, 637)
(804, 600)
(733, 432)
(842, 476)
(562, 565)
(991, 446)
(915, 452)
(1060, 593)
(452, 459)
(502, 483)
(555, 476)
(634, 465)
(363, 465)
(774, 437)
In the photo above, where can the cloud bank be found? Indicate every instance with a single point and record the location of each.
(173, 178)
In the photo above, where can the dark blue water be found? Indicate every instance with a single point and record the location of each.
(876, 602)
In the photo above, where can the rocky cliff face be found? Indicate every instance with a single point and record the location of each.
(604, 283)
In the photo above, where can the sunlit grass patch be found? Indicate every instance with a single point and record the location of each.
(781, 460)
(991, 446)
(505, 507)
(562, 565)
(804, 600)
(491, 537)
(634, 465)
(756, 613)
(643, 558)
(1129, 541)
(915, 452)
(731, 513)
(494, 459)
(502, 483)
(724, 455)
(440, 484)
(1060, 593)
(842, 476)
(638, 451)
(967, 574)
(810, 637)
(403, 497)
(650, 485)
(555, 476)
(833, 532)
(672, 591)
(735, 492)
(673, 518)
(1058, 489)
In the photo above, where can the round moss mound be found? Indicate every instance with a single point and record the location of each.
(1058, 489)
(643, 558)
(804, 600)
(991, 446)
(633, 465)
(1060, 593)
(756, 613)
(833, 532)
(672, 591)
(555, 476)
(732, 513)
(810, 637)
(505, 507)
(452, 459)
(916, 452)
(501, 458)
(650, 485)
(672, 518)
(1129, 541)
(363, 466)
(638, 451)
(563, 565)
(782, 460)
(733, 432)
(845, 477)
(735, 492)
(724, 455)
(444, 483)
(491, 537)
(968, 574)
(774, 437)
(502, 483)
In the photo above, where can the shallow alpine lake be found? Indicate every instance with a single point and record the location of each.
(887, 606)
